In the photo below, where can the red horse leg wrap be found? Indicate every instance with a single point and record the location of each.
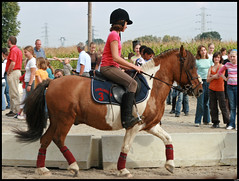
(121, 161)
(68, 155)
(41, 158)
(169, 152)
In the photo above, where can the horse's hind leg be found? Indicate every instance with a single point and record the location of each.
(167, 140)
(59, 140)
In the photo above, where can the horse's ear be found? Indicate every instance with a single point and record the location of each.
(182, 51)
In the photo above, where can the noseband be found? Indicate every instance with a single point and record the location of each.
(189, 87)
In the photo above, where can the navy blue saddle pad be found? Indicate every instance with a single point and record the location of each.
(107, 92)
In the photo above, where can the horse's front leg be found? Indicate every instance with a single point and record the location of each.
(167, 140)
(128, 139)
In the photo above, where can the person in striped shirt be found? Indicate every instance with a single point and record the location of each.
(231, 86)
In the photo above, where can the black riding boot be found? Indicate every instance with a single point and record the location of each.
(127, 119)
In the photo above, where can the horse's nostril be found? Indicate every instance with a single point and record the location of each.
(200, 91)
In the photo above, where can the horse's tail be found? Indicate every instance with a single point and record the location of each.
(36, 116)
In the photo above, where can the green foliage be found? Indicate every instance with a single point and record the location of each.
(97, 41)
(213, 35)
(10, 25)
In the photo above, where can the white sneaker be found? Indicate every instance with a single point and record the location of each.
(229, 128)
(197, 124)
(21, 117)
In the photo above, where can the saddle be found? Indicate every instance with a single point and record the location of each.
(105, 91)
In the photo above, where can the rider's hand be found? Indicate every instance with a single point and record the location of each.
(138, 69)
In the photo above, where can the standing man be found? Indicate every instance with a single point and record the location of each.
(13, 69)
(84, 61)
(95, 60)
(39, 52)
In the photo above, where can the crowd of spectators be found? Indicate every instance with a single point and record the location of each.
(218, 71)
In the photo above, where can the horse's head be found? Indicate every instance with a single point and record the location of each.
(188, 78)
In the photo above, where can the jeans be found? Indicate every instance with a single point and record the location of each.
(169, 98)
(3, 96)
(232, 96)
(203, 105)
(6, 92)
(182, 99)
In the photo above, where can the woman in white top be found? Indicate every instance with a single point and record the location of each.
(30, 69)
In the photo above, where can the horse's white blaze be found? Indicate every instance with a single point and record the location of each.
(113, 117)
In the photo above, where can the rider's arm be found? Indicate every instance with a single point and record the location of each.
(119, 60)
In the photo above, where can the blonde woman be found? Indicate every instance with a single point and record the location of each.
(30, 69)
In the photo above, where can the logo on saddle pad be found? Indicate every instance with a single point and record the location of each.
(107, 92)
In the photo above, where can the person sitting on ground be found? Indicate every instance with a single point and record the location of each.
(67, 68)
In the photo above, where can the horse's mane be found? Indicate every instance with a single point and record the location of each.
(150, 64)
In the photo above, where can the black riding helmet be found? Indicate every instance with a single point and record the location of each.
(120, 14)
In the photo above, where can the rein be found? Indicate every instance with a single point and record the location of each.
(189, 76)
(174, 87)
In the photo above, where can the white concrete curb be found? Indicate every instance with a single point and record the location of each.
(190, 149)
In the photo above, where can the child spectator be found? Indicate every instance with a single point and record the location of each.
(216, 92)
(148, 54)
(136, 48)
(140, 60)
(19, 116)
(67, 68)
(224, 53)
(211, 48)
(58, 73)
(225, 82)
(41, 73)
(50, 70)
(231, 86)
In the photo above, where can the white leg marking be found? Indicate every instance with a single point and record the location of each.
(74, 168)
(43, 171)
(159, 132)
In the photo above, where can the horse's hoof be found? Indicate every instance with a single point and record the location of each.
(124, 173)
(43, 171)
(74, 168)
(169, 167)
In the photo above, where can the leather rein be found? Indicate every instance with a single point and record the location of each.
(187, 88)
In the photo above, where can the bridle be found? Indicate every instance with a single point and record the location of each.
(189, 89)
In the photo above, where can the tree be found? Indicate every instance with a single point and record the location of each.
(97, 41)
(10, 25)
(213, 35)
(166, 38)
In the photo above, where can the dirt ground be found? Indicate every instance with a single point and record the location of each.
(170, 123)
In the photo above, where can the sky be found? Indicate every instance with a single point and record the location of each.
(70, 20)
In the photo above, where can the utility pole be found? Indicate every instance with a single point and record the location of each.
(203, 20)
(89, 23)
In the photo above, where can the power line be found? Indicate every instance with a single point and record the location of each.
(203, 20)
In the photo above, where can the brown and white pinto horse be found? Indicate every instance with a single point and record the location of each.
(69, 102)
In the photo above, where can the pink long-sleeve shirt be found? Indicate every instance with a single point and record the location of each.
(232, 73)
